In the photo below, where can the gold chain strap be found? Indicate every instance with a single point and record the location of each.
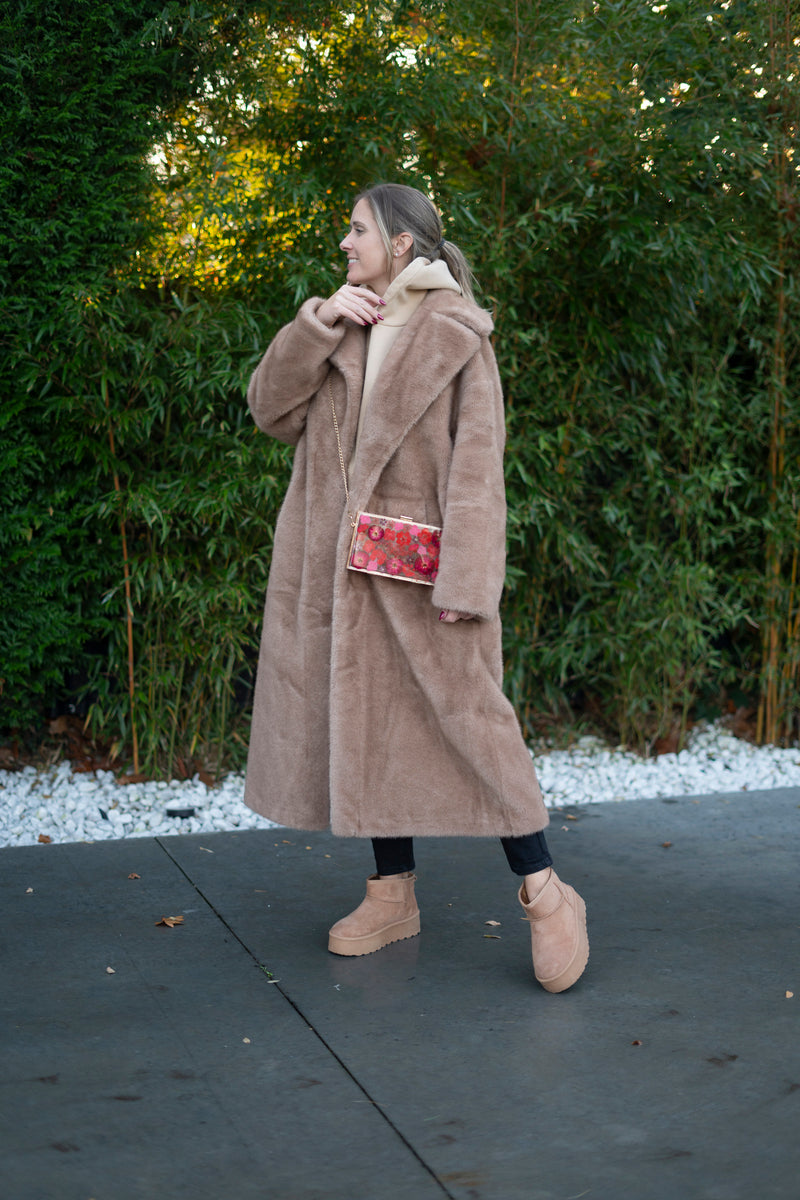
(352, 519)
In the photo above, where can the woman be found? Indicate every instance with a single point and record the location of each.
(379, 709)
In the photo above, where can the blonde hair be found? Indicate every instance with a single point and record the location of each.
(397, 209)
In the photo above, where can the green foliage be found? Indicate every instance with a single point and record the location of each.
(77, 88)
(83, 91)
(179, 469)
(622, 176)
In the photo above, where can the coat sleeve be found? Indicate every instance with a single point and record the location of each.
(473, 554)
(291, 372)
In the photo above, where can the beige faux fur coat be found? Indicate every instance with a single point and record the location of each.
(371, 715)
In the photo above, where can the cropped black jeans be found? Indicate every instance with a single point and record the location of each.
(525, 855)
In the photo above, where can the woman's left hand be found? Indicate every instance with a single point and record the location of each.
(449, 616)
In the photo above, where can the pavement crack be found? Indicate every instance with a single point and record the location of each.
(275, 983)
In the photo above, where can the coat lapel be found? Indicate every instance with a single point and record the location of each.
(349, 359)
(408, 383)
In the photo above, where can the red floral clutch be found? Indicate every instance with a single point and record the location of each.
(396, 547)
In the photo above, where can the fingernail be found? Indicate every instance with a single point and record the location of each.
(380, 316)
(441, 616)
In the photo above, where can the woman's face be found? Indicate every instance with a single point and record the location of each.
(366, 252)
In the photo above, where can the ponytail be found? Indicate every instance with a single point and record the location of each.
(401, 209)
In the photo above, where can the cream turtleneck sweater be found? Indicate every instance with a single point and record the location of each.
(402, 298)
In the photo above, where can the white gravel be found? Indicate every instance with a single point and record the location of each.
(60, 806)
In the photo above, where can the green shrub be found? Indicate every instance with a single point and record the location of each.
(622, 178)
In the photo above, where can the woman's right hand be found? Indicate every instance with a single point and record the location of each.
(356, 303)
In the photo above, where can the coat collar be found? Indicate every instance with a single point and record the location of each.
(445, 332)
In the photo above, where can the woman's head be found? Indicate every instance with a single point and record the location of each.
(407, 226)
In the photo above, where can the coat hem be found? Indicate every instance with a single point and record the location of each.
(405, 831)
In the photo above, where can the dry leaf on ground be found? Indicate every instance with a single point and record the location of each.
(494, 923)
(170, 921)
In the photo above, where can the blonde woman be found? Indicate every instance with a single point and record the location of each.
(379, 709)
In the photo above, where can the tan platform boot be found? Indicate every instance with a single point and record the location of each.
(559, 941)
(388, 913)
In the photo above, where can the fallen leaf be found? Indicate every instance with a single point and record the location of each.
(636, 1042)
(666, 845)
(28, 891)
(133, 875)
(170, 921)
(44, 839)
(496, 936)
(789, 995)
(110, 971)
(246, 1041)
(206, 849)
(569, 817)
(495, 923)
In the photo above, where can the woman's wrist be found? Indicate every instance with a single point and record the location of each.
(326, 313)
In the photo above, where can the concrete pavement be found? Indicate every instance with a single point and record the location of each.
(232, 1058)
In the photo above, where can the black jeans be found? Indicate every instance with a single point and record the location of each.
(525, 855)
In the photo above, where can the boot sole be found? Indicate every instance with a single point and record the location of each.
(577, 965)
(369, 943)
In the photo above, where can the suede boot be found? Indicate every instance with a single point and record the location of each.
(388, 913)
(559, 942)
